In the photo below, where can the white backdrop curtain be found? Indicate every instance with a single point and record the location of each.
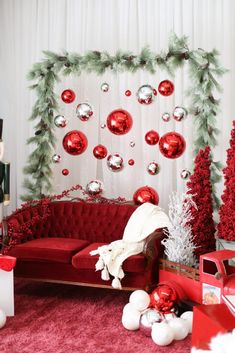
(28, 27)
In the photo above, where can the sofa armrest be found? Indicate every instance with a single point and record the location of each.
(153, 250)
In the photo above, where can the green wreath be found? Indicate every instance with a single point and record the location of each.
(203, 69)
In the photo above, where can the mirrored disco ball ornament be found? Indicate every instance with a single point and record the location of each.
(166, 117)
(166, 88)
(172, 145)
(145, 94)
(68, 96)
(75, 142)
(104, 87)
(94, 187)
(119, 122)
(147, 319)
(84, 111)
(179, 113)
(153, 168)
(115, 162)
(145, 194)
(185, 174)
(56, 158)
(60, 121)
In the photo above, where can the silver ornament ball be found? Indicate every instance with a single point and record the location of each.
(56, 158)
(153, 168)
(179, 113)
(166, 117)
(84, 111)
(103, 126)
(132, 144)
(94, 187)
(104, 87)
(147, 319)
(145, 94)
(60, 121)
(185, 174)
(115, 162)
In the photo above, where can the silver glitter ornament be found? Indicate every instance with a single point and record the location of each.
(145, 94)
(56, 158)
(104, 87)
(115, 162)
(94, 187)
(153, 168)
(166, 117)
(60, 121)
(179, 113)
(84, 111)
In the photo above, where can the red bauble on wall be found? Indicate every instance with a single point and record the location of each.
(68, 96)
(172, 145)
(100, 151)
(146, 194)
(166, 88)
(75, 142)
(119, 122)
(152, 137)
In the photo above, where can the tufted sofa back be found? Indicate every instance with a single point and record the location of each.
(96, 222)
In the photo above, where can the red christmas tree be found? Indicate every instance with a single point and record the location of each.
(226, 226)
(199, 186)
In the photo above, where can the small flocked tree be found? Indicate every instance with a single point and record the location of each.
(179, 245)
(226, 226)
(199, 187)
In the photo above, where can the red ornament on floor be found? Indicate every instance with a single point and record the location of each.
(75, 142)
(119, 122)
(172, 145)
(146, 194)
(68, 96)
(166, 88)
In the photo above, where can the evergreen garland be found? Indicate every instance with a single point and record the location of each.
(204, 71)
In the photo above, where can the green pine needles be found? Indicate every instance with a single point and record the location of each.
(204, 71)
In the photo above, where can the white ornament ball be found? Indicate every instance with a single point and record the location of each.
(3, 318)
(188, 317)
(162, 333)
(128, 308)
(140, 299)
(131, 319)
(179, 327)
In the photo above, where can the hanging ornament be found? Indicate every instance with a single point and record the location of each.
(119, 122)
(94, 187)
(84, 111)
(60, 121)
(147, 319)
(145, 194)
(75, 142)
(128, 93)
(145, 94)
(166, 88)
(103, 126)
(104, 87)
(115, 162)
(172, 145)
(166, 117)
(100, 152)
(65, 172)
(152, 137)
(163, 298)
(132, 144)
(179, 113)
(56, 158)
(153, 168)
(131, 162)
(68, 96)
(154, 91)
(185, 174)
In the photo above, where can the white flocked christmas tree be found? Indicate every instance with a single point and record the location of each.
(179, 246)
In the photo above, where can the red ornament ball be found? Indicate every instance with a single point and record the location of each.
(65, 172)
(68, 96)
(131, 162)
(152, 137)
(163, 298)
(172, 145)
(166, 88)
(146, 194)
(128, 93)
(75, 142)
(154, 92)
(119, 122)
(100, 151)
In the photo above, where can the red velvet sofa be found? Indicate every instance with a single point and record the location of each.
(52, 242)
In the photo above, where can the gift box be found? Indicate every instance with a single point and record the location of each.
(208, 321)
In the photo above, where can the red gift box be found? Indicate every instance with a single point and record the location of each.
(208, 321)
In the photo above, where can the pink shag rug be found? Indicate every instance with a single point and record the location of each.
(56, 318)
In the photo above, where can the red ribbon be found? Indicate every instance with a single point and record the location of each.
(7, 263)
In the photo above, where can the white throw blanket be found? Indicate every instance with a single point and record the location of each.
(143, 221)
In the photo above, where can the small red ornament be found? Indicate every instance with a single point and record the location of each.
(65, 172)
(172, 145)
(166, 88)
(100, 151)
(131, 162)
(152, 137)
(119, 122)
(146, 194)
(163, 298)
(154, 92)
(128, 93)
(68, 96)
(75, 142)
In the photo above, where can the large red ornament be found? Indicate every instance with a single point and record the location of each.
(146, 194)
(172, 145)
(100, 151)
(163, 298)
(166, 88)
(75, 142)
(119, 122)
(152, 137)
(68, 96)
